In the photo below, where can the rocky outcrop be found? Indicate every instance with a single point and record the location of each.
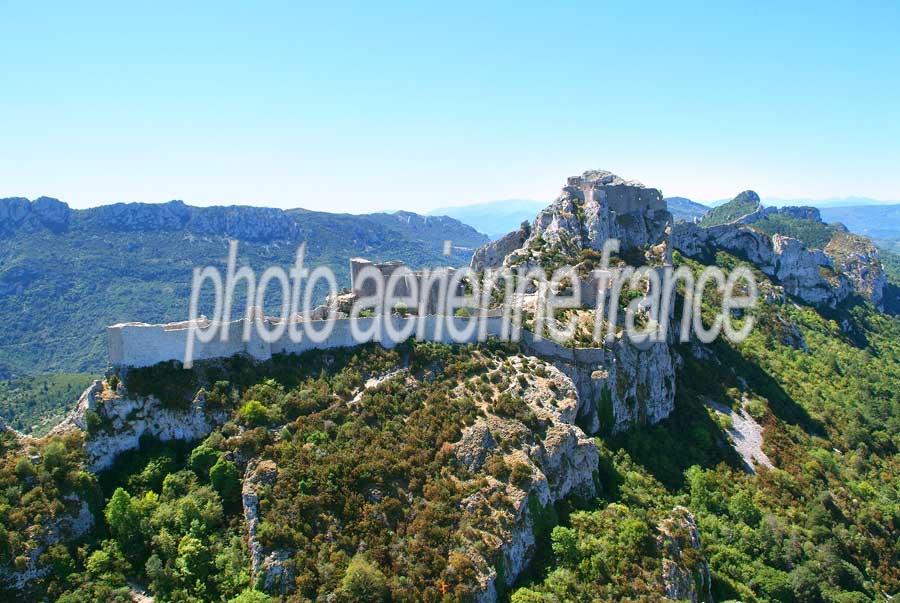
(74, 522)
(494, 254)
(560, 463)
(599, 205)
(800, 212)
(18, 212)
(685, 572)
(115, 423)
(859, 260)
(591, 208)
(807, 274)
(271, 569)
(849, 263)
(619, 386)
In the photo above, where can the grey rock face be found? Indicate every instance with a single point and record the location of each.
(562, 462)
(244, 223)
(272, 568)
(590, 209)
(619, 386)
(18, 212)
(685, 578)
(599, 205)
(494, 254)
(859, 260)
(123, 421)
(173, 215)
(806, 274)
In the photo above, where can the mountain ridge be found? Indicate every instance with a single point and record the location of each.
(64, 271)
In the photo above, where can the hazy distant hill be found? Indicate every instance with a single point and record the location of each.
(836, 202)
(494, 218)
(684, 209)
(66, 274)
(878, 222)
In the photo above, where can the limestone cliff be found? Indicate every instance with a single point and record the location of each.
(822, 277)
(591, 208)
(858, 259)
(115, 422)
(560, 463)
(685, 572)
(807, 274)
(619, 386)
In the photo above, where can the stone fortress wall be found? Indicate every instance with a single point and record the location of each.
(137, 344)
(639, 380)
(619, 196)
(140, 344)
(412, 279)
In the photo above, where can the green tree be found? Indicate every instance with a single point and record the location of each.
(226, 479)
(363, 582)
(203, 457)
(251, 596)
(124, 521)
(254, 413)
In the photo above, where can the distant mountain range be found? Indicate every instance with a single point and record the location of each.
(683, 208)
(66, 274)
(820, 203)
(880, 223)
(494, 218)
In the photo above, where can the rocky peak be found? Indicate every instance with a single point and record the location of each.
(591, 208)
(745, 204)
(747, 196)
(857, 258)
(603, 178)
(47, 212)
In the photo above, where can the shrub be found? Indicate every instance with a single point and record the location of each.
(203, 457)
(363, 582)
(254, 413)
(226, 479)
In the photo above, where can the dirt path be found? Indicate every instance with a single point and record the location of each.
(746, 436)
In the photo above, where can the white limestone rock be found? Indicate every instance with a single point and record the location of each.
(590, 209)
(562, 462)
(273, 568)
(860, 261)
(685, 578)
(495, 253)
(121, 421)
(807, 274)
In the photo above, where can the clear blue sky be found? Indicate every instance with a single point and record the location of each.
(368, 106)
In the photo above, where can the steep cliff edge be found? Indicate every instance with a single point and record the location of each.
(820, 264)
(591, 208)
(114, 422)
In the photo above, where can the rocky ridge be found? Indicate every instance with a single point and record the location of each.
(560, 463)
(826, 278)
(591, 208)
(114, 422)
(246, 223)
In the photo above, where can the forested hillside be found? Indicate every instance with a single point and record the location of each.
(67, 274)
(361, 486)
